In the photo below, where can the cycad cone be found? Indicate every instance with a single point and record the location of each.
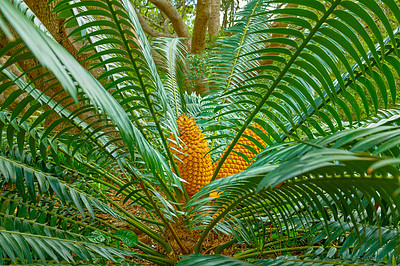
(194, 163)
(235, 163)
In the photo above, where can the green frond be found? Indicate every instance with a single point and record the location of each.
(42, 100)
(28, 178)
(19, 246)
(173, 54)
(211, 260)
(321, 183)
(299, 90)
(281, 260)
(63, 66)
(319, 77)
(36, 226)
(24, 8)
(126, 60)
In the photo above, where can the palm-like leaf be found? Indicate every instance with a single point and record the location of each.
(282, 260)
(173, 54)
(127, 60)
(304, 87)
(91, 133)
(320, 179)
(22, 171)
(233, 63)
(302, 81)
(94, 90)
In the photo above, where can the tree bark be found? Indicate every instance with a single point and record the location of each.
(214, 22)
(11, 89)
(55, 26)
(149, 30)
(173, 14)
(200, 26)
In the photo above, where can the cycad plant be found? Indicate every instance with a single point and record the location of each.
(302, 91)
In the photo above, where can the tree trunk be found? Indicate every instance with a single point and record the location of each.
(200, 26)
(55, 26)
(214, 22)
(11, 89)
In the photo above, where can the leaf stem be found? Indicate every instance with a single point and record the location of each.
(167, 224)
(256, 254)
(216, 220)
(254, 250)
(136, 223)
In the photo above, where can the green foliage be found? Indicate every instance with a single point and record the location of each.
(319, 77)
(197, 70)
(127, 236)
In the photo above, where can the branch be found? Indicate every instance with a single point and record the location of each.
(154, 22)
(149, 30)
(173, 14)
(180, 4)
(183, 9)
(166, 22)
